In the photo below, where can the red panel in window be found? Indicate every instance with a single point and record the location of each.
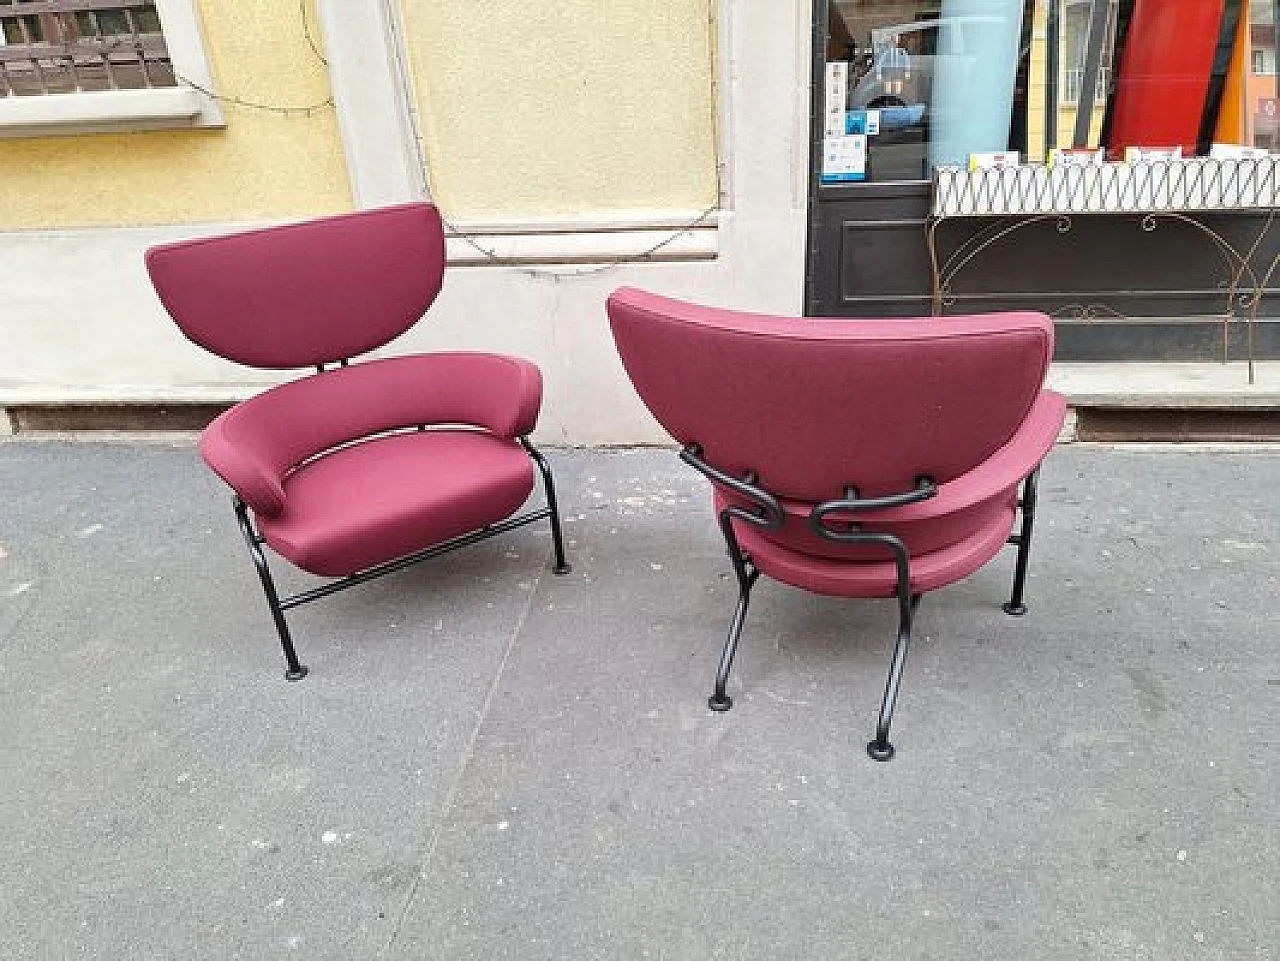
(1164, 74)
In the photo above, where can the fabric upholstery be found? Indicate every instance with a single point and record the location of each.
(812, 407)
(357, 465)
(815, 405)
(961, 507)
(388, 497)
(879, 578)
(255, 444)
(304, 294)
(921, 537)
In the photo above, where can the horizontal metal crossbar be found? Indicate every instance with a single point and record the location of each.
(391, 567)
(36, 7)
(150, 46)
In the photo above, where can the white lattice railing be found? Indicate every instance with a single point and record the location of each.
(1192, 184)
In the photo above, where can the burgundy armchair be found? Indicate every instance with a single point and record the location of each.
(361, 469)
(853, 458)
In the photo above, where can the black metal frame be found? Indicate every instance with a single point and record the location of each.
(295, 670)
(766, 513)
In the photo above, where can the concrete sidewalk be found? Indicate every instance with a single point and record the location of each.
(491, 762)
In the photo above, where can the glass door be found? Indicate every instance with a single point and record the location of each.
(911, 85)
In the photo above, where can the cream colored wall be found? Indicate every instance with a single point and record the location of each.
(69, 342)
(534, 108)
(262, 166)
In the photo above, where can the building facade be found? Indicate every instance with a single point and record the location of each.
(572, 148)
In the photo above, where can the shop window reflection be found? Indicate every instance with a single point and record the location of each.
(925, 83)
(933, 82)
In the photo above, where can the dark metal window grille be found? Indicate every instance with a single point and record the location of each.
(1073, 80)
(65, 46)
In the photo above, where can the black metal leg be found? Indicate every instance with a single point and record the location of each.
(296, 671)
(747, 576)
(1027, 503)
(880, 749)
(548, 485)
(720, 701)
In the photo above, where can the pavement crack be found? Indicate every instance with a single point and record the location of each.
(446, 808)
(27, 600)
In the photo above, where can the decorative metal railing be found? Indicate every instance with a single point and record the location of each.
(1188, 191)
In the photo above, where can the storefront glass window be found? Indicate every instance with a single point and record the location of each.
(914, 85)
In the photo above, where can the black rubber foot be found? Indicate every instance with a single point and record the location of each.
(299, 674)
(1017, 610)
(720, 704)
(878, 751)
(561, 569)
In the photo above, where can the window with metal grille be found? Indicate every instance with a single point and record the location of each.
(86, 65)
(61, 46)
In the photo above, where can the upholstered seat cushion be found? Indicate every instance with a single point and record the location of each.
(867, 578)
(385, 498)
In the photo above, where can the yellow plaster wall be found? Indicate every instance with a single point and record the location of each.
(1037, 83)
(563, 107)
(263, 165)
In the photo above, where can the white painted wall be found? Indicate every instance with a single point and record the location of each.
(79, 322)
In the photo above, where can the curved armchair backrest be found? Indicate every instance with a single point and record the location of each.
(304, 294)
(799, 401)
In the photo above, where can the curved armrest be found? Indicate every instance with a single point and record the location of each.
(242, 460)
(768, 513)
(500, 393)
(1002, 471)
(255, 445)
